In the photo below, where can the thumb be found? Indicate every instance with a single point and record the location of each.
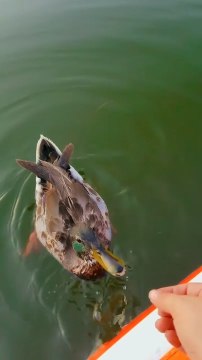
(166, 302)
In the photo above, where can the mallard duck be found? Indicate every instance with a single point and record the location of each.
(71, 219)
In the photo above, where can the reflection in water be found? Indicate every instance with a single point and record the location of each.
(106, 303)
(109, 311)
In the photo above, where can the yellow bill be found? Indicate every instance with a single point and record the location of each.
(111, 263)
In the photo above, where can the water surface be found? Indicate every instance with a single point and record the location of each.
(121, 79)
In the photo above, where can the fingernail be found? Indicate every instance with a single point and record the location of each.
(153, 295)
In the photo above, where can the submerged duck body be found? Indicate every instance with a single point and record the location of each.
(71, 220)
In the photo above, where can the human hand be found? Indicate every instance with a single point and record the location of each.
(180, 310)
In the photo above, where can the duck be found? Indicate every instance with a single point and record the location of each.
(71, 219)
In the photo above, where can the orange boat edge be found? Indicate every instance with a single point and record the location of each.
(131, 337)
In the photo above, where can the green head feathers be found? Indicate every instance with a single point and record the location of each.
(78, 246)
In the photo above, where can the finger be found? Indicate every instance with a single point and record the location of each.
(172, 338)
(164, 324)
(192, 289)
(168, 303)
(163, 313)
(180, 289)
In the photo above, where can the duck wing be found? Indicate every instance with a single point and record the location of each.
(79, 199)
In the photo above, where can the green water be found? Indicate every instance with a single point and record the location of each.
(121, 79)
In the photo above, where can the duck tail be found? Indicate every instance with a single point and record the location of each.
(46, 150)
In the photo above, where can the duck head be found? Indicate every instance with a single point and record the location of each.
(86, 241)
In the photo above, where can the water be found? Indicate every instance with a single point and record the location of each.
(121, 79)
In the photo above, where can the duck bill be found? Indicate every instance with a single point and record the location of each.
(111, 263)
